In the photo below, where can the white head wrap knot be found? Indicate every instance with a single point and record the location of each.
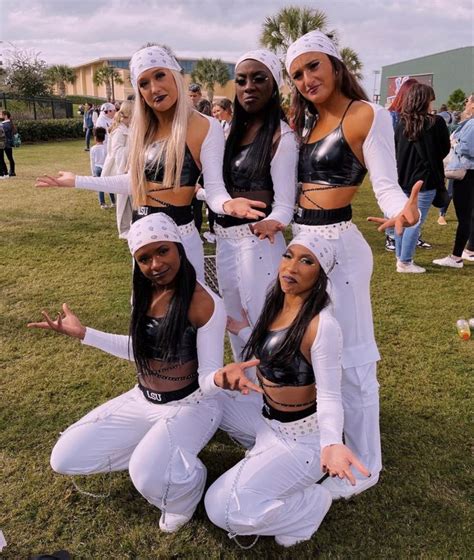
(269, 59)
(314, 41)
(322, 249)
(151, 57)
(107, 107)
(152, 228)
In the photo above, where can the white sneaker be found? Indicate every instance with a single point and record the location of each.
(344, 489)
(449, 261)
(409, 267)
(321, 508)
(468, 255)
(172, 522)
(103, 206)
(442, 221)
(209, 237)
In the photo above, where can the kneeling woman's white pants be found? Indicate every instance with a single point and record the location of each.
(158, 444)
(273, 490)
(246, 266)
(349, 288)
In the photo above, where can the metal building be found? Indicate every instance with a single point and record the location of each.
(444, 71)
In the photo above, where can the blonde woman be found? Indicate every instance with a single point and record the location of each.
(171, 144)
(116, 162)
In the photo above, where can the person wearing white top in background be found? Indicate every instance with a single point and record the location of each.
(97, 156)
(106, 118)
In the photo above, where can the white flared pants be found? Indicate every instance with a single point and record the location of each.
(349, 288)
(246, 267)
(273, 490)
(158, 444)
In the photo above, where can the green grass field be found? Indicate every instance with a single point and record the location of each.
(58, 246)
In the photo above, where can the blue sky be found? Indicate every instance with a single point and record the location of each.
(381, 32)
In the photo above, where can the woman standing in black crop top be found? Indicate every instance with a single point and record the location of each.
(176, 339)
(273, 490)
(259, 164)
(345, 138)
(170, 144)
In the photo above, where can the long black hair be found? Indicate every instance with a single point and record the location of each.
(316, 301)
(261, 149)
(346, 83)
(175, 320)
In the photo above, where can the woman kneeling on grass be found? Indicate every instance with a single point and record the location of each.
(156, 429)
(171, 144)
(273, 491)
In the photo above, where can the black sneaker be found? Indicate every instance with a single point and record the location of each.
(423, 244)
(389, 243)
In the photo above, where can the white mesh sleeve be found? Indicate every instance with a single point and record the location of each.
(118, 184)
(379, 157)
(326, 355)
(210, 347)
(115, 344)
(283, 172)
(212, 157)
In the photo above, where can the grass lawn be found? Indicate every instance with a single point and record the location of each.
(58, 246)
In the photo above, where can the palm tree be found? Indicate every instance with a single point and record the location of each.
(60, 75)
(352, 61)
(108, 76)
(209, 72)
(289, 24)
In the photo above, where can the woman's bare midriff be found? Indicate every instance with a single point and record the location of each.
(288, 399)
(182, 197)
(262, 196)
(175, 383)
(328, 199)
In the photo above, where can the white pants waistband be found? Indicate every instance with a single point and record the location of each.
(330, 231)
(234, 232)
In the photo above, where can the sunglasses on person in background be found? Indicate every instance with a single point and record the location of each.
(259, 79)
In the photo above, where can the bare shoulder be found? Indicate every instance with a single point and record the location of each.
(202, 306)
(310, 336)
(198, 127)
(360, 119)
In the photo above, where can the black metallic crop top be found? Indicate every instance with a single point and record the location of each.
(241, 168)
(299, 372)
(330, 161)
(154, 173)
(187, 350)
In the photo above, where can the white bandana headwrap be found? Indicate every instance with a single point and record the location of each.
(151, 57)
(269, 59)
(322, 249)
(107, 107)
(151, 228)
(314, 41)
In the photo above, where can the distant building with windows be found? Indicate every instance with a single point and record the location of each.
(444, 71)
(84, 84)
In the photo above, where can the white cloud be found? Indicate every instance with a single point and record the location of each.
(380, 32)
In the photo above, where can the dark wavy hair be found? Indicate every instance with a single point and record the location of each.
(397, 102)
(261, 150)
(414, 115)
(175, 320)
(316, 301)
(346, 83)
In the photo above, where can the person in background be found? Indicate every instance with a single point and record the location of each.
(106, 118)
(3, 165)
(394, 110)
(222, 110)
(421, 143)
(195, 95)
(10, 130)
(443, 211)
(116, 163)
(447, 116)
(463, 191)
(204, 107)
(98, 154)
(90, 118)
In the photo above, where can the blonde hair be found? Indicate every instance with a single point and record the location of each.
(125, 111)
(143, 131)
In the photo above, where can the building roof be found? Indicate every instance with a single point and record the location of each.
(428, 55)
